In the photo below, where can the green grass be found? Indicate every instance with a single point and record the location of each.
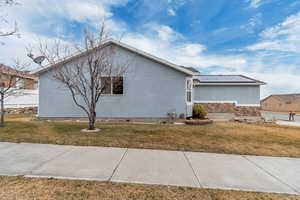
(233, 138)
(19, 117)
(12, 188)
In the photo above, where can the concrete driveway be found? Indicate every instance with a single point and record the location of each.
(191, 169)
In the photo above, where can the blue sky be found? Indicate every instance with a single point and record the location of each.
(259, 38)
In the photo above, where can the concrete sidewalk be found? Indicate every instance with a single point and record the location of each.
(288, 123)
(202, 170)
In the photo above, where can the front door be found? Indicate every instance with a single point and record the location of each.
(189, 97)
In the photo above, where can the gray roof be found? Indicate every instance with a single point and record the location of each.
(125, 46)
(4, 69)
(225, 79)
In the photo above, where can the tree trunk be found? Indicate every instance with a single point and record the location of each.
(91, 124)
(92, 120)
(2, 110)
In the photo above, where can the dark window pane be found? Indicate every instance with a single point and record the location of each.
(189, 85)
(189, 96)
(106, 85)
(118, 85)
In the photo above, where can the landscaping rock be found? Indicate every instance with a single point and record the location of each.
(96, 130)
(232, 108)
(249, 120)
(199, 122)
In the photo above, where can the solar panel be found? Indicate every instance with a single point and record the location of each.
(224, 79)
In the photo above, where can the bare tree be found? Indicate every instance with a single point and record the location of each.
(12, 82)
(89, 73)
(3, 19)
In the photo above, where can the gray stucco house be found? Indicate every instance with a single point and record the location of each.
(152, 88)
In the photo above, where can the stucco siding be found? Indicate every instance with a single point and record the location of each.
(150, 90)
(247, 95)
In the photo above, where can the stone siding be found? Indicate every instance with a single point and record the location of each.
(232, 108)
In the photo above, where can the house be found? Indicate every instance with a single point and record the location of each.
(236, 94)
(151, 88)
(281, 103)
(13, 78)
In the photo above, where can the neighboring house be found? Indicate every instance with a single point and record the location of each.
(28, 98)
(151, 88)
(281, 103)
(17, 79)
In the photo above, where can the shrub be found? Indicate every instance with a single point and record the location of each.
(199, 112)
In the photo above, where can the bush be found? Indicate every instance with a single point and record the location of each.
(199, 112)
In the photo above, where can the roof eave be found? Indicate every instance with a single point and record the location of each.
(154, 58)
(224, 83)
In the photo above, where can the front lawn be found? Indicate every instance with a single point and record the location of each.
(12, 188)
(233, 138)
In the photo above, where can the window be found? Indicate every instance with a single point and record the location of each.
(20, 83)
(189, 91)
(106, 84)
(112, 85)
(117, 85)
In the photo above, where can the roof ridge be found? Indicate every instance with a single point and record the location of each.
(285, 94)
(285, 97)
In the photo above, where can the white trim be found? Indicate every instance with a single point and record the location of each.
(189, 105)
(187, 90)
(234, 102)
(248, 105)
(39, 102)
(223, 83)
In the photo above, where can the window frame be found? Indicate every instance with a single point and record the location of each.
(20, 83)
(189, 91)
(111, 86)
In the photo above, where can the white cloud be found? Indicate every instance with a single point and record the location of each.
(280, 43)
(91, 11)
(279, 47)
(159, 40)
(81, 10)
(182, 52)
(254, 3)
(253, 22)
(174, 5)
(43, 15)
(166, 33)
(279, 83)
(193, 49)
(164, 42)
(171, 12)
(282, 37)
